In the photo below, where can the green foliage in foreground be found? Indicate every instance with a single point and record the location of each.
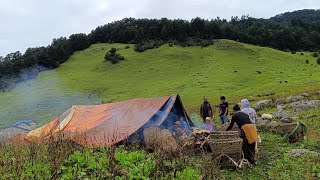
(67, 161)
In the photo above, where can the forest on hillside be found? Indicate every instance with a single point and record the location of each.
(291, 31)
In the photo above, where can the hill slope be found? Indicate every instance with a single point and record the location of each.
(226, 68)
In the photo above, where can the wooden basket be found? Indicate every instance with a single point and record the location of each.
(226, 146)
(223, 127)
(221, 148)
(224, 135)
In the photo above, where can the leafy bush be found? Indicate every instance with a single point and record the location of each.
(145, 45)
(196, 42)
(188, 173)
(113, 56)
(307, 61)
(293, 52)
(302, 53)
(318, 61)
(135, 165)
(315, 54)
(84, 165)
(38, 170)
(127, 47)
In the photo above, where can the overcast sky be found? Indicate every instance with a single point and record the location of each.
(32, 23)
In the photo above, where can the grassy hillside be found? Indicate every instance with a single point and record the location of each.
(226, 68)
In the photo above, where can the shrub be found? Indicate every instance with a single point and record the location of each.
(318, 61)
(315, 54)
(84, 165)
(301, 53)
(307, 61)
(127, 47)
(145, 45)
(113, 56)
(196, 42)
(293, 52)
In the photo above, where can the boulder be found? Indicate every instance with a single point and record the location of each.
(262, 104)
(291, 99)
(272, 124)
(314, 103)
(262, 124)
(286, 120)
(299, 152)
(305, 94)
(317, 93)
(301, 106)
(280, 101)
(281, 107)
(281, 114)
(305, 105)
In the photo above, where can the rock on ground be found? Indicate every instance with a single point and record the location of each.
(286, 120)
(298, 152)
(281, 114)
(305, 105)
(314, 102)
(280, 101)
(305, 94)
(291, 99)
(281, 107)
(262, 104)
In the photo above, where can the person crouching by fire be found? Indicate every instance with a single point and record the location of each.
(209, 125)
(185, 126)
(248, 133)
(178, 131)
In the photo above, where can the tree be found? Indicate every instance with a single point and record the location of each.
(113, 56)
(78, 42)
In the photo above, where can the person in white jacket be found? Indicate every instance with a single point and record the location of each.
(245, 107)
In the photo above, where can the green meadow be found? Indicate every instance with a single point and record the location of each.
(225, 68)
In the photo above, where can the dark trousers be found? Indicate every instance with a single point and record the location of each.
(204, 117)
(249, 150)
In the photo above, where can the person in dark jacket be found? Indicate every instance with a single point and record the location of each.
(205, 109)
(248, 133)
(223, 110)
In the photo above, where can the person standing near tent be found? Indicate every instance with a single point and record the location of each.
(205, 109)
(224, 109)
(248, 133)
(245, 107)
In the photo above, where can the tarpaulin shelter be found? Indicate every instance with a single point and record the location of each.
(108, 124)
(18, 127)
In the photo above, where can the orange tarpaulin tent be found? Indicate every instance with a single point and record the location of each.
(108, 124)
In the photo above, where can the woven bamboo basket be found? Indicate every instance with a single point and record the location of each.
(223, 127)
(225, 146)
(228, 147)
(224, 135)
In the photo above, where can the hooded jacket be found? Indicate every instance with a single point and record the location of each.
(245, 107)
